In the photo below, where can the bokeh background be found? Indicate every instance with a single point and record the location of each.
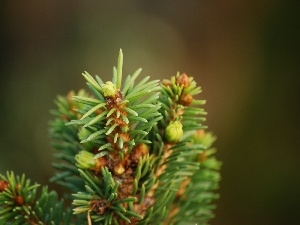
(244, 54)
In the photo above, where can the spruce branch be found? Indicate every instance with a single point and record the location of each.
(129, 152)
(66, 140)
(200, 188)
(20, 203)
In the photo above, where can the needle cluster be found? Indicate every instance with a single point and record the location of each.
(128, 152)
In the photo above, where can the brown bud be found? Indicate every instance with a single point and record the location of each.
(186, 99)
(98, 206)
(184, 80)
(19, 200)
(3, 185)
(139, 151)
(100, 162)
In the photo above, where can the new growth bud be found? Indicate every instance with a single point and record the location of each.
(119, 169)
(183, 80)
(109, 89)
(174, 132)
(85, 160)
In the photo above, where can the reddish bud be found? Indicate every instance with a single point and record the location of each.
(186, 99)
(3, 185)
(183, 80)
(19, 200)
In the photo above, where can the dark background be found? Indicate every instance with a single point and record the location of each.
(244, 54)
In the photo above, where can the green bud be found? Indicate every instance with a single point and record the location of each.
(174, 132)
(109, 89)
(85, 160)
(124, 129)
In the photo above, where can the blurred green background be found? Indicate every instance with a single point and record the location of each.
(244, 54)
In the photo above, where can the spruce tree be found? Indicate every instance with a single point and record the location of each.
(127, 152)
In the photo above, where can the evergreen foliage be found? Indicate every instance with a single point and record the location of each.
(132, 152)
